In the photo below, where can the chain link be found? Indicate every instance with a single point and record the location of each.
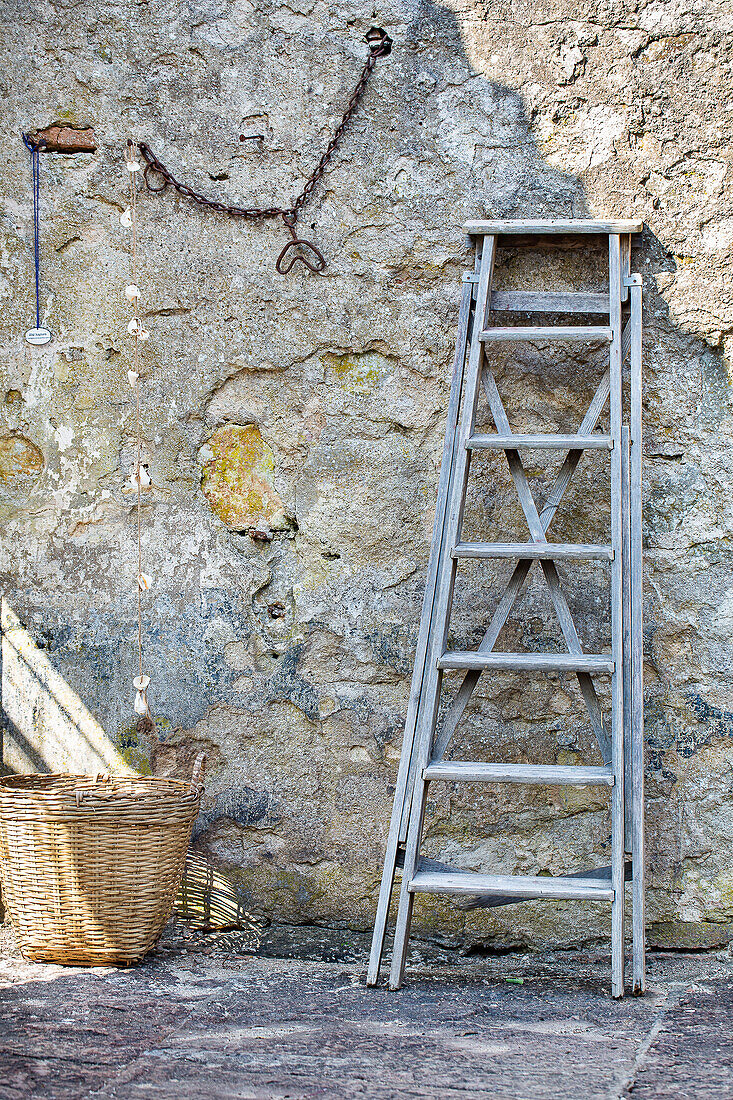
(380, 45)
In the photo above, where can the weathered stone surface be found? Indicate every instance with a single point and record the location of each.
(204, 1018)
(289, 659)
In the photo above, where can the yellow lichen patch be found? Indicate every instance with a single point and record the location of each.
(358, 372)
(237, 477)
(20, 463)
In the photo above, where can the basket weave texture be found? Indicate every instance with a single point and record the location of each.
(90, 867)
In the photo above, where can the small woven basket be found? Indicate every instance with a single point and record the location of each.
(90, 866)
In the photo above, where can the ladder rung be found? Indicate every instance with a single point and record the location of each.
(554, 551)
(540, 442)
(551, 332)
(549, 301)
(527, 662)
(460, 771)
(524, 886)
(562, 226)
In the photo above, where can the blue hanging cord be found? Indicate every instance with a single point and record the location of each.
(34, 148)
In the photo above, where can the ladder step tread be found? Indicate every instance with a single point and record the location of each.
(527, 662)
(540, 442)
(548, 332)
(550, 550)
(464, 771)
(558, 225)
(525, 886)
(549, 301)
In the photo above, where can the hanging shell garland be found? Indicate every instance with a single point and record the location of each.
(139, 477)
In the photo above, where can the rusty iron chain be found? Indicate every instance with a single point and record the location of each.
(380, 45)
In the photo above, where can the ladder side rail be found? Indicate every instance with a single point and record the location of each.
(617, 731)
(403, 788)
(439, 623)
(637, 641)
(516, 583)
(626, 617)
(625, 265)
(438, 548)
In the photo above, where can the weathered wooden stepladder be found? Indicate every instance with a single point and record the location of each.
(620, 733)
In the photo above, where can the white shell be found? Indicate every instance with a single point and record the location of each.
(126, 218)
(133, 166)
(141, 703)
(134, 327)
(143, 334)
(140, 683)
(132, 377)
(144, 581)
(38, 336)
(133, 480)
(131, 292)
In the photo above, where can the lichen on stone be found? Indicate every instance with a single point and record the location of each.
(237, 480)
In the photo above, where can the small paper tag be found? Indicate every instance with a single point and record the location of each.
(38, 336)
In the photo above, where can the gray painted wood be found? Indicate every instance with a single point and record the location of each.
(548, 301)
(527, 662)
(584, 333)
(422, 768)
(637, 655)
(526, 227)
(556, 551)
(625, 265)
(437, 629)
(403, 775)
(626, 621)
(527, 886)
(540, 442)
(466, 771)
(617, 715)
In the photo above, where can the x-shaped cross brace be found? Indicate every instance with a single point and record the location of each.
(538, 523)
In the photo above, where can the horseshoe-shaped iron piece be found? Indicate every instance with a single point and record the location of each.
(316, 266)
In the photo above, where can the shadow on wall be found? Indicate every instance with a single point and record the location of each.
(47, 728)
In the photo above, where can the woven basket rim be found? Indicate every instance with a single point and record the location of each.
(57, 787)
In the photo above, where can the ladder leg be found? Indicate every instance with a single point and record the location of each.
(617, 731)
(637, 666)
(405, 774)
(407, 899)
(626, 616)
(439, 624)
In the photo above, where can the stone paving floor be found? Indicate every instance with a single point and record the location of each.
(204, 1018)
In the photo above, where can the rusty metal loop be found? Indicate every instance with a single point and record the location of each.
(297, 242)
(151, 168)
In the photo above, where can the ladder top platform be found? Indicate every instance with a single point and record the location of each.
(547, 228)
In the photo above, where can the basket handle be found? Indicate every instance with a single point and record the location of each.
(199, 767)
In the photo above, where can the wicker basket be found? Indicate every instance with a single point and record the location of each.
(90, 867)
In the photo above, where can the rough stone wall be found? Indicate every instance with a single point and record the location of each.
(311, 410)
